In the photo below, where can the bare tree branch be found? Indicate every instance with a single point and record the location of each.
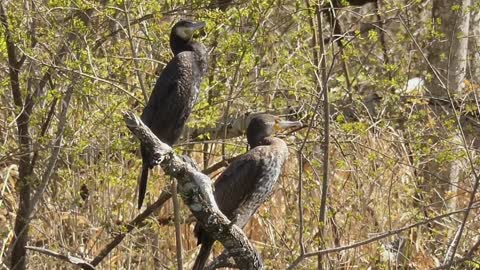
(57, 146)
(67, 258)
(134, 53)
(197, 193)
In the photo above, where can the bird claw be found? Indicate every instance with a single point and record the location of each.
(157, 159)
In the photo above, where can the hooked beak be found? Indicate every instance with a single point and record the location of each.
(283, 124)
(196, 26)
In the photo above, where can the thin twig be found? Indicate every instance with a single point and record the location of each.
(300, 202)
(44, 128)
(57, 145)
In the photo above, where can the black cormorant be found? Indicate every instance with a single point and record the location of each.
(249, 180)
(175, 92)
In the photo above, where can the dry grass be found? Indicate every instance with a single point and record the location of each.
(371, 191)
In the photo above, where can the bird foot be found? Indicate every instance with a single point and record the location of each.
(156, 160)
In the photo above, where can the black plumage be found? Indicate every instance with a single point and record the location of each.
(175, 92)
(249, 180)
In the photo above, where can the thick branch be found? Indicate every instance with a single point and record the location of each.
(196, 191)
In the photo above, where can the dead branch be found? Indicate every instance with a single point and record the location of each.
(67, 258)
(196, 191)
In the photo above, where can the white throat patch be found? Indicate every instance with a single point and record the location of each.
(184, 32)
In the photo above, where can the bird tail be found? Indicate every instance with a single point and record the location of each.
(142, 184)
(203, 255)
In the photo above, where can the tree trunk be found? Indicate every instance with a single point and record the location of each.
(474, 47)
(448, 57)
(23, 106)
(449, 52)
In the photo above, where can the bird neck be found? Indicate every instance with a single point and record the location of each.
(263, 141)
(178, 45)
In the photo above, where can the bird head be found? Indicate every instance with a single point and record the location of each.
(265, 125)
(181, 37)
(185, 29)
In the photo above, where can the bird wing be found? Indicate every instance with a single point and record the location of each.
(178, 69)
(157, 114)
(237, 182)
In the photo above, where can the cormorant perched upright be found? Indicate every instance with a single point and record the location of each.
(175, 92)
(249, 180)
